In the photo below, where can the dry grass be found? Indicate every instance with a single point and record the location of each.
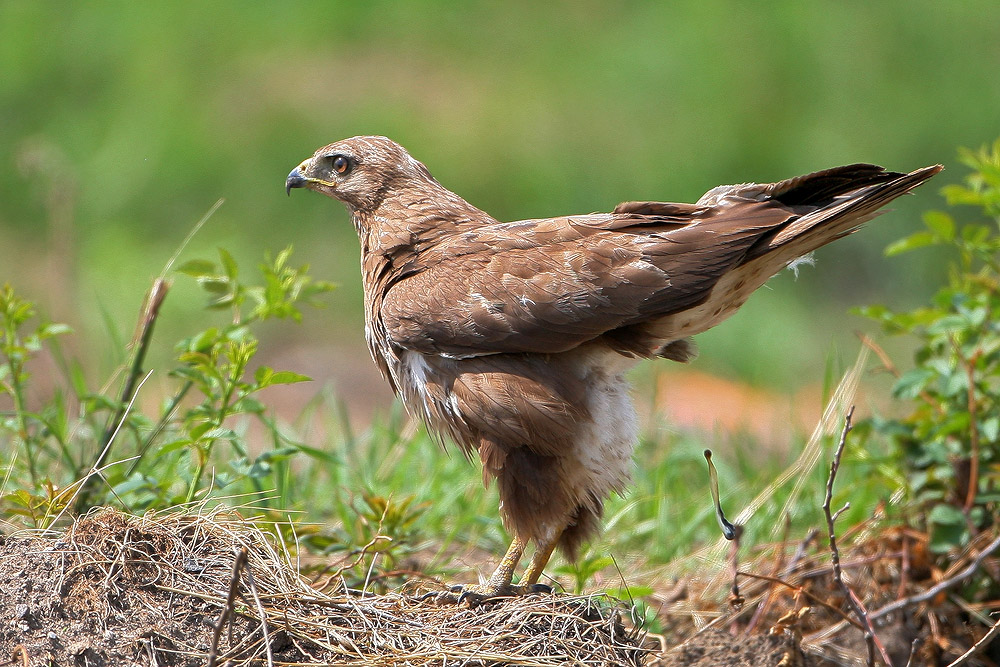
(190, 589)
(214, 588)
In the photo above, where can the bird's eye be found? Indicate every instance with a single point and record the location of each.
(341, 164)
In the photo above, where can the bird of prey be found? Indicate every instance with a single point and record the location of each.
(512, 338)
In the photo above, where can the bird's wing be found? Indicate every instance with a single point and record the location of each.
(550, 285)
(547, 286)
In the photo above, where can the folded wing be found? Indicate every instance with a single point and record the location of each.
(547, 286)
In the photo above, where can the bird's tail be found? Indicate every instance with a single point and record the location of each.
(833, 203)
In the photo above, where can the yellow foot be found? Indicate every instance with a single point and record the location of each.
(476, 594)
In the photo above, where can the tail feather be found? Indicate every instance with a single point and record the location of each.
(821, 187)
(786, 220)
(856, 205)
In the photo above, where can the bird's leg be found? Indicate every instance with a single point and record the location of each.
(498, 585)
(500, 579)
(543, 551)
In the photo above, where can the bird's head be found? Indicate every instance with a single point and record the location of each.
(360, 171)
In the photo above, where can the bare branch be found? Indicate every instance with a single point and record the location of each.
(942, 585)
(260, 610)
(852, 599)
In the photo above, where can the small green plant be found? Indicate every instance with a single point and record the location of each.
(949, 444)
(216, 363)
(17, 347)
(114, 452)
(376, 536)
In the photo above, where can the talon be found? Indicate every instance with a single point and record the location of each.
(450, 595)
(539, 588)
(428, 595)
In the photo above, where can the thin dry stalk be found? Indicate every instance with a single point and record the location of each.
(227, 611)
(140, 344)
(941, 586)
(870, 637)
(978, 647)
(260, 612)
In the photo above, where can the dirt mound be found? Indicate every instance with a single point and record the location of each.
(120, 590)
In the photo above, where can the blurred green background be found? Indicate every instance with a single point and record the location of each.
(121, 123)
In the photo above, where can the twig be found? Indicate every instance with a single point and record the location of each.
(815, 599)
(891, 368)
(887, 364)
(143, 335)
(978, 647)
(800, 551)
(914, 645)
(852, 599)
(973, 483)
(918, 598)
(260, 610)
(735, 598)
(227, 611)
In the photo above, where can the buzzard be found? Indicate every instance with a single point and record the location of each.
(512, 338)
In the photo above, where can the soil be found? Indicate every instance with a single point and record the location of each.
(60, 609)
(173, 590)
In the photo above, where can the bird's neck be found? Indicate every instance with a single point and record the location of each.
(415, 220)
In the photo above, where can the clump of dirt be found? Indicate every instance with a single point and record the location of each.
(109, 592)
(718, 648)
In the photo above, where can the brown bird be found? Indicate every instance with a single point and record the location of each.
(512, 338)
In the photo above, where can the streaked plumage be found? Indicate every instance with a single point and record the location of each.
(511, 338)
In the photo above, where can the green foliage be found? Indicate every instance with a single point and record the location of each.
(584, 568)
(949, 444)
(215, 363)
(388, 500)
(16, 349)
(161, 459)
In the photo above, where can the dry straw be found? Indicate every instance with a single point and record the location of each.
(207, 588)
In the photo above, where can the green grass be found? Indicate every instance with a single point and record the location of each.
(344, 489)
(665, 517)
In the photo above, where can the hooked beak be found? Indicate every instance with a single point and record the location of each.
(295, 180)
